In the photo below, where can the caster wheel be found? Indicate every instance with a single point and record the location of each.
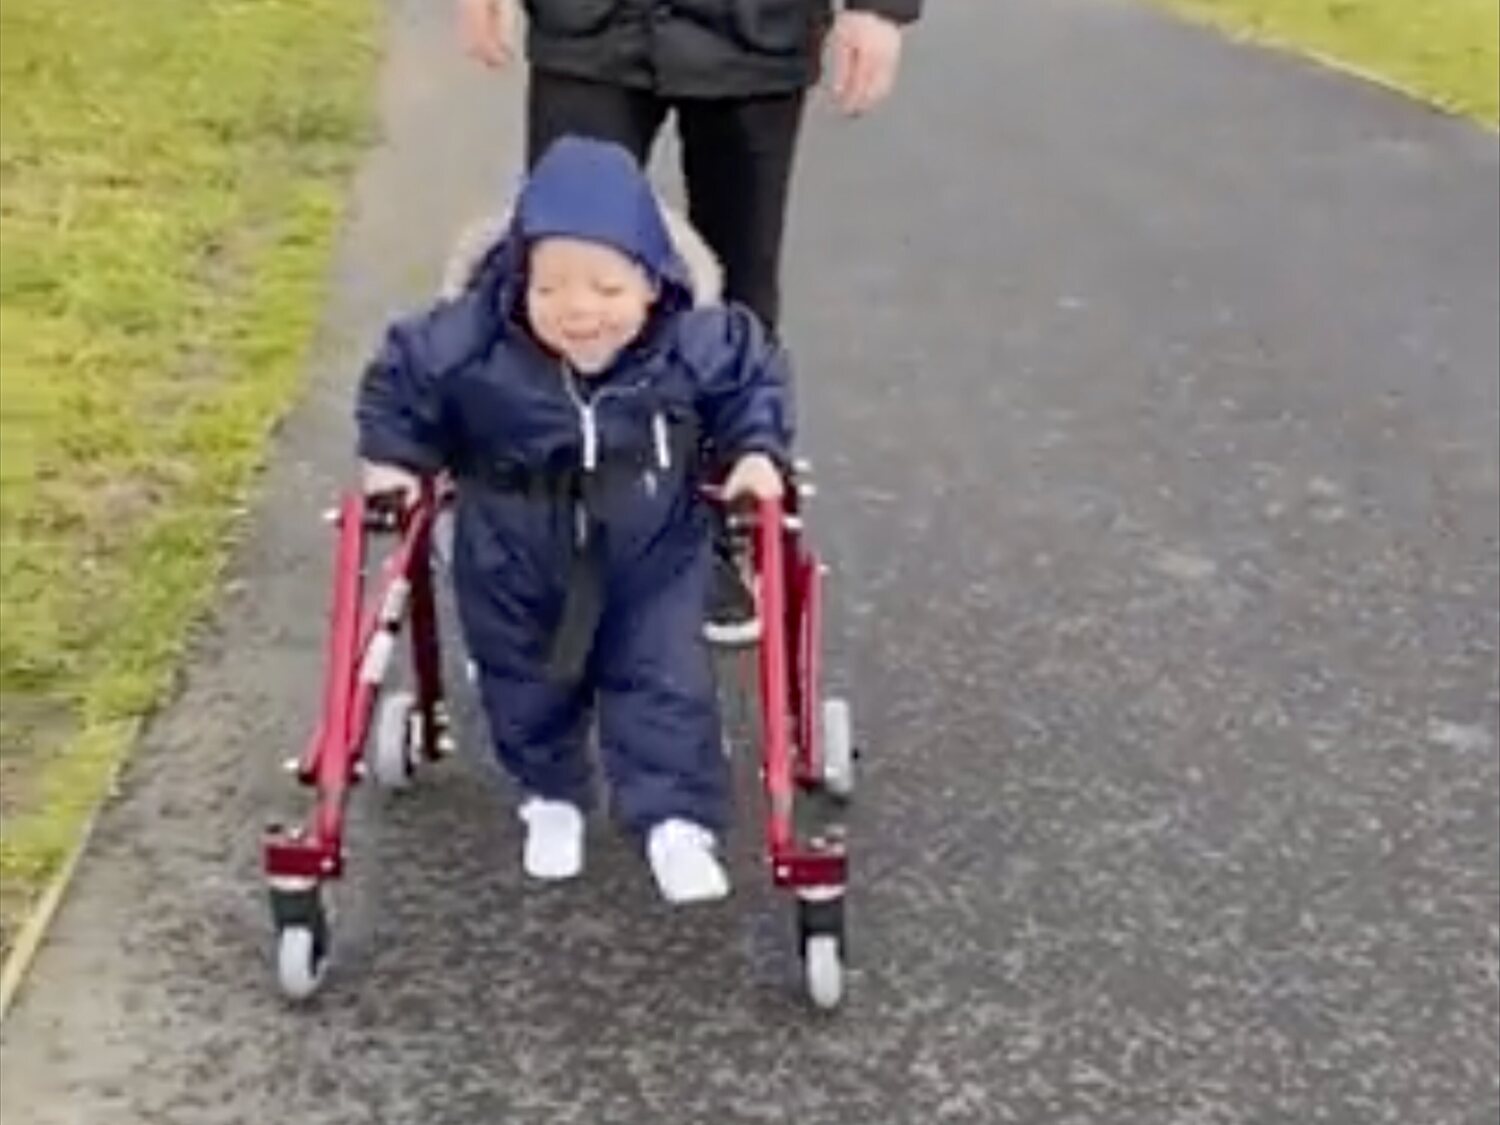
(299, 962)
(442, 539)
(838, 749)
(820, 936)
(446, 744)
(823, 970)
(302, 943)
(392, 760)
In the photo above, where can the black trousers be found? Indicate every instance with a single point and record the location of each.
(737, 156)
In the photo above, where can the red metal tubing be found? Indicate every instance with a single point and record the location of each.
(425, 652)
(807, 680)
(328, 762)
(777, 766)
(333, 760)
(410, 553)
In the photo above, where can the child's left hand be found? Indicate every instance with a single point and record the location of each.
(754, 475)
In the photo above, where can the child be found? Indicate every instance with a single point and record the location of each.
(567, 391)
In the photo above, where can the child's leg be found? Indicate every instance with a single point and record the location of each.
(539, 731)
(539, 728)
(660, 732)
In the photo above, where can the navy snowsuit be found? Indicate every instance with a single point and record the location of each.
(579, 498)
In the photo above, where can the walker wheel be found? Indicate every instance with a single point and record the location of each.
(823, 970)
(302, 941)
(820, 936)
(299, 962)
(443, 722)
(838, 749)
(393, 758)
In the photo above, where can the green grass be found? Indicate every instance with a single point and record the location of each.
(1444, 51)
(171, 177)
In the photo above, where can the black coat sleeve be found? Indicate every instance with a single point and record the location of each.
(897, 11)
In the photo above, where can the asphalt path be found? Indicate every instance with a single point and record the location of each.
(1152, 385)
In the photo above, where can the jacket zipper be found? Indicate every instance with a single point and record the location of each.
(588, 420)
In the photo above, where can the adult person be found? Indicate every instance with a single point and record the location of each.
(736, 74)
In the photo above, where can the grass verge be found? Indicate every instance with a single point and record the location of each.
(171, 178)
(1444, 51)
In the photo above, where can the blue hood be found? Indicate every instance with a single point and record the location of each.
(591, 190)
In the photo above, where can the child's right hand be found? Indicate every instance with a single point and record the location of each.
(389, 480)
(754, 476)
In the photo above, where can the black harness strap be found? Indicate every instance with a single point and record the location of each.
(572, 641)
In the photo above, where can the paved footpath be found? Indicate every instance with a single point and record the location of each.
(1153, 383)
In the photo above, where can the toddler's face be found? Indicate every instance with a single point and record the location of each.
(586, 301)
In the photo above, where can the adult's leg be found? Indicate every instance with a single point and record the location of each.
(557, 104)
(737, 157)
(737, 160)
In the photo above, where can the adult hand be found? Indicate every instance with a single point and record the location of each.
(488, 30)
(864, 56)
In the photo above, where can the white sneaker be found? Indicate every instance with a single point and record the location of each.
(554, 839)
(682, 859)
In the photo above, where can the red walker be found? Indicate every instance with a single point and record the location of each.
(806, 740)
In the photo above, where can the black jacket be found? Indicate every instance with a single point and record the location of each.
(691, 48)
